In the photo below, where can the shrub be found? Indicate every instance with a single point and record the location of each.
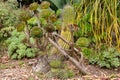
(109, 58)
(17, 48)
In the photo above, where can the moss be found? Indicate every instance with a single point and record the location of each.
(61, 73)
(56, 64)
(83, 42)
(55, 70)
(70, 73)
(64, 74)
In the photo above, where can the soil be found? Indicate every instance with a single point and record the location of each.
(22, 70)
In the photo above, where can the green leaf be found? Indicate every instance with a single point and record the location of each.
(57, 3)
(21, 37)
(21, 52)
(111, 50)
(14, 56)
(22, 46)
(86, 17)
(30, 55)
(43, 21)
(103, 64)
(116, 54)
(106, 54)
(115, 62)
(36, 32)
(87, 52)
(32, 21)
(94, 59)
(20, 26)
(32, 40)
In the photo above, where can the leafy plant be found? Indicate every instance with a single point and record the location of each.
(8, 13)
(5, 33)
(85, 28)
(17, 48)
(109, 58)
(8, 18)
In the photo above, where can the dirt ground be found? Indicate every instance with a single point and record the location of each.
(21, 70)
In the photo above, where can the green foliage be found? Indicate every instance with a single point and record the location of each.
(61, 73)
(85, 28)
(45, 5)
(49, 28)
(56, 63)
(45, 13)
(109, 58)
(25, 15)
(83, 42)
(32, 21)
(5, 33)
(58, 24)
(33, 6)
(8, 18)
(36, 32)
(8, 13)
(43, 21)
(17, 49)
(20, 26)
(58, 13)
(105, 58)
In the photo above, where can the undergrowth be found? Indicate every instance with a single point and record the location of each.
(17, 47)
(108, 58)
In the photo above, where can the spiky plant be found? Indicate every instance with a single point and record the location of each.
(68, 17)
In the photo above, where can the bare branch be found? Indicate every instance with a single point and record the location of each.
(76, 63)
(75, 49)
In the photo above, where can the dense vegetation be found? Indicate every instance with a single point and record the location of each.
(80, 30)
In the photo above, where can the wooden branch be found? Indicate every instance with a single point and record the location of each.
(61, 38)
(27, 34)
(81, 54)
(75, 49)
(76, 63)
